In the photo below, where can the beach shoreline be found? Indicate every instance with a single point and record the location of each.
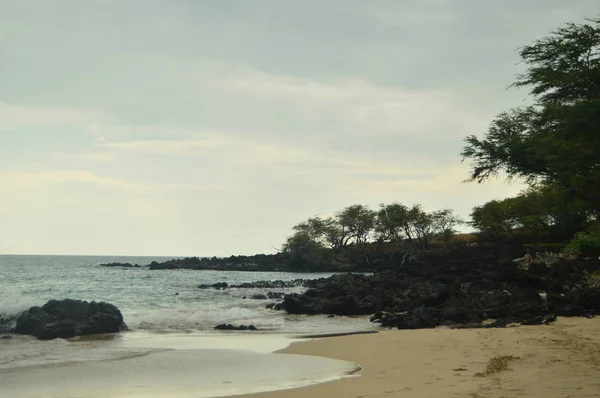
(557, 360)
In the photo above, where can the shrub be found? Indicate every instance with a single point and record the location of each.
(584, 244)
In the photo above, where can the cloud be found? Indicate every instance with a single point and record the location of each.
(61, 177)
(225, 151)
(88, 156)
(18, 116)
(362, 105)
(170, 147)
(12, 182)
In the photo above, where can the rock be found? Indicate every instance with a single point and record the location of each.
(275, 306)
(70, 318)
(459, 286)
(225, 326)
(346, 294)
(540, 320)
(228, 326)
(278, 284)
(6, 337)
(275, 295)
(218, 286)
(377, 316)
(121, 265)
(580, 301)
(258, 297)
(331, 316)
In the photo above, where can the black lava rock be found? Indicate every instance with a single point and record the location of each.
(70, 318)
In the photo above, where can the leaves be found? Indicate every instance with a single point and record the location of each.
(556, 140)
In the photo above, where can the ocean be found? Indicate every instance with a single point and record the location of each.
(172, 348)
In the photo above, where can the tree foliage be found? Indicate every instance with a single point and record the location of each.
(540, 213)
(357, 222)
(357, 225)
(556, 140)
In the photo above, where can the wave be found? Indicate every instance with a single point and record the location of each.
(186, 317)
(13, 302)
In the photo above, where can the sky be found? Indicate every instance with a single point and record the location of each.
(182, 127)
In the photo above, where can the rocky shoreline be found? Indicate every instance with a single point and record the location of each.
(478, 286)
(460, 286)
(457, 286)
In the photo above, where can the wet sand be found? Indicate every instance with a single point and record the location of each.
(146, 365)
(558, 360)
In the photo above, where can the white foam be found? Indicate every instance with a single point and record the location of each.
(182, 317)
(259, 343)
(12, 301)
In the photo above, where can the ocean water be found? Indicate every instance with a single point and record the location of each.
(173, 349)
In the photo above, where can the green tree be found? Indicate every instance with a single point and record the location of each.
(539, 212)
(444, 223)
(304, 251)
(393, 222)
(556, 140)
(313, 228)
(495, 219)
(356, 222)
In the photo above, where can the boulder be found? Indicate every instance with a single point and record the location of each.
(218, 286)
(228, 326)
(258, 297)
(275, 295)
(70, 318)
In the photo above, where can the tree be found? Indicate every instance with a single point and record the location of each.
(334, 234)
(304, 251)
(393, 222)
(495, 219)
(555, 141)
(444, 223)
(356, 222)
(423, 227)
(539, 212)
(301, 242)
(313, 228)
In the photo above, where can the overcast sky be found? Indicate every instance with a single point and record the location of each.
(182, 127)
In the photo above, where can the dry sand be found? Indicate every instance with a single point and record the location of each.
(558, 360)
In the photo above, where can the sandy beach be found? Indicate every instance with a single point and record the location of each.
(558, 360)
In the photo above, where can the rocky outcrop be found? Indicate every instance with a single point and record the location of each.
(268, 295)
(121, 265)
(276, 284)
(279, 284)
(218, 286)
(349, 294)
(258, 297)
(228, 326)
(460, 286)
(70, 318)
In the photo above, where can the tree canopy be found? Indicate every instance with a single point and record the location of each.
(538, 213)
(357, 225)
(556, 140)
